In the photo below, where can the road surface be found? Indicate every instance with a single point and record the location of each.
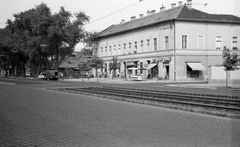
(31, 115)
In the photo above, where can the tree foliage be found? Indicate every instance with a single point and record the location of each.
(59, 32)
(96, 63)
(114, 65)
(229, 61)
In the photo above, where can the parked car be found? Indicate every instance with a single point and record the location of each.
(28, 74)
(42, 76)
(49, 75)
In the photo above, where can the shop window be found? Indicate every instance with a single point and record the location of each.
(106, 67)
(109, 68)
(141, 66)
(192, 73)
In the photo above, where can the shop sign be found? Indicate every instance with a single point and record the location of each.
(166, 59)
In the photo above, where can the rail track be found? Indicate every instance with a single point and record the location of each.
(215, 102)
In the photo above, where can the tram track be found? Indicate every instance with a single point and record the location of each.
(220, 103)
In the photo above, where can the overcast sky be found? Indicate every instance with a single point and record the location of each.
(104, 13)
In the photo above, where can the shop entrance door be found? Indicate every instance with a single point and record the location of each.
(167, 72)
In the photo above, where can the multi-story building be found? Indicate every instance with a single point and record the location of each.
(178, 43)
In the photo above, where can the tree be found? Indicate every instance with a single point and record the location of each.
(84, 65)
(114, 65)
(96, 63)
(64, 33)
(59, 32)
(229, 62)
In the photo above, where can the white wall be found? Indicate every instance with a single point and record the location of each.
(209, 31)
(218, 75)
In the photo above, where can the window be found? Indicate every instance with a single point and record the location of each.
(114, 50)
(101, 51)
(124, 48)
(148, 42)
(141, 44)
(184, 41)
(110, 50)
(234, 43)
(129, 48)
(135, 45)
(155, 44)
(218, 42)
(105, 50)
(166, 43)
(148, 45)
(200, 42)
(119, 49)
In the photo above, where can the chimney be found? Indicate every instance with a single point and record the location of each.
(140, 15)
(153, 11)
(148, 12)
(133, 17)
(189, 4)
(162, 9)
(123, 20)
(173, 5)
(180, 3)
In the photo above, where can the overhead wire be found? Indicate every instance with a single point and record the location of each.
(114, 12)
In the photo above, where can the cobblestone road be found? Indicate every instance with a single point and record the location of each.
(31, 116)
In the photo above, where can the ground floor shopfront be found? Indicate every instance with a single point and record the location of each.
(181, 66)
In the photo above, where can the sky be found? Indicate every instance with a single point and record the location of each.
(104, 13)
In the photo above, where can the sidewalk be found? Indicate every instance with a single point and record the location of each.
(170, 83)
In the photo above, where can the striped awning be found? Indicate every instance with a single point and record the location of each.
(195, 66)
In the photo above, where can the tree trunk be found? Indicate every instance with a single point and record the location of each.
(40, 66)
(226, 79)
(96, 74)
(57, 60)
(82, 76)
(23, 69)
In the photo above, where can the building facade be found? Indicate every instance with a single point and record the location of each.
(178, 43)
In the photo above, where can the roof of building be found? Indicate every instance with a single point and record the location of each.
(182, 13)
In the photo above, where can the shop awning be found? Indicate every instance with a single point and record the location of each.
(132, 68)
(151, 65)
(195, 66)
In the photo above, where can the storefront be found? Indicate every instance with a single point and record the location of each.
(194, 70)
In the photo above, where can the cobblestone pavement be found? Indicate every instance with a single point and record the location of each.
(35, 117)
